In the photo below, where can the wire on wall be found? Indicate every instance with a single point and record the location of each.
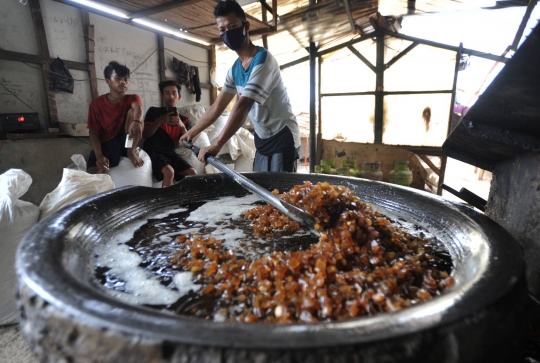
(27, 105)
(132, 72)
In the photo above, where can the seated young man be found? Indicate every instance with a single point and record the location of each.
(163, 128)
(110, 118)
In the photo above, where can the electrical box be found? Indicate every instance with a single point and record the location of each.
(19, 122)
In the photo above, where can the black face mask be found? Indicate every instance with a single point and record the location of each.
(234, 38)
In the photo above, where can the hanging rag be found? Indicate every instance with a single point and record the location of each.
(189, 76)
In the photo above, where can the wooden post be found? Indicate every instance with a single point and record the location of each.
(379, 90)
(319, 108)
(213, 90)
(265, 20)
(312, 113)
(89, 43)
(448, 130)
(39, 29)
(161, 57)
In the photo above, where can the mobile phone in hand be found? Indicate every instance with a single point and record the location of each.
(129, 142)
(174, 110)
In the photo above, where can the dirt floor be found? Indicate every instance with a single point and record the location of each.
(13, 348)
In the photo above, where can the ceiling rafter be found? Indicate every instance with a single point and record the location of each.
(174, 4)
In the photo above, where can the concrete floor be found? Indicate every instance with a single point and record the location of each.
(13, 348)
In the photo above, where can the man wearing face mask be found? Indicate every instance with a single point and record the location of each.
(256, 78)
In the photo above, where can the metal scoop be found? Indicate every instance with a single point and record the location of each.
(291, 211)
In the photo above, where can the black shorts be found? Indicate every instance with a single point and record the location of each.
(112, 150)
(161, 159)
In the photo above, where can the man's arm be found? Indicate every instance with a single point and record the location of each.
(152, 123)
(136, 128)
(210, 116)
(237, 118)
(101, 161)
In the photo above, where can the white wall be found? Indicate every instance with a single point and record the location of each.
(27, 84)
(16, 30)
(194, 56)
(114, 40)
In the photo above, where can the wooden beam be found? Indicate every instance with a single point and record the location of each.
(37, 59)
(41, 37)
(329, 50)
(378, 126)
(442, 172)
(213, 91)
(265, 20)
(274, 15)
(362, 58)
(423, 150)
(39, 28)
(426, 160)
(398, 57)
(89, 43)
(202, 84)
(161, 57)
(162, 8)
(523, 24)
(472, 52)
(349, 15)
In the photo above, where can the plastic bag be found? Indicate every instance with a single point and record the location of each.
(74, 186)
(62, 79)
(194, 112)
(215, 129)
(189, 156)
(17, 217)
(79, 163)
(126, 174)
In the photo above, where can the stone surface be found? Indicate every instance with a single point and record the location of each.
(73, 129)
(514, 203)
(13, 348)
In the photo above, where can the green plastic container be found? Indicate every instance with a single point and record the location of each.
(349, 163)
(372, 171)
(401, 174)
(343, 171)
(330, 162)
(318, 169)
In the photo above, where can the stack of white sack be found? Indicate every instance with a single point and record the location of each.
(76, 184)
(17, 217)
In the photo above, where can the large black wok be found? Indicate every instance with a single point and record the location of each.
(66, 318)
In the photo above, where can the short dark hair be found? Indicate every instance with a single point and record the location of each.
(119, 69)
(225, 7)
(165, 84)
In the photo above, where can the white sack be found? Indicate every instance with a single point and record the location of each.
(189, 156)
(78, 162)
(215, 129)
(243, 164)
(74, 186)
(193, 112)
(16, 219)
(126, 174)
(242, 143)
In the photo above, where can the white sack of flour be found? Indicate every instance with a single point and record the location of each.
(126, 174)
(74, 186)
(17, 217)
(189, 156)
